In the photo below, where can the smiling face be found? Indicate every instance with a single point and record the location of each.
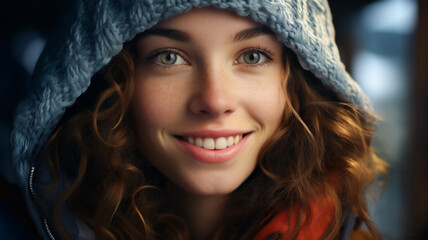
(208, 95)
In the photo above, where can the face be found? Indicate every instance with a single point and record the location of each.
(208, 95)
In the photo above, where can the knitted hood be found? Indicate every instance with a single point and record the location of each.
(92, 32)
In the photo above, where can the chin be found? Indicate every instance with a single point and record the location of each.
(210, 187)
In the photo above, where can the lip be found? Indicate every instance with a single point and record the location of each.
(213, 156)
(213, 133)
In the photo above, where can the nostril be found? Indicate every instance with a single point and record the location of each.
(204, 112)
(213, 101)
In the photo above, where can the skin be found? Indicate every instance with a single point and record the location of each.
(210, 89)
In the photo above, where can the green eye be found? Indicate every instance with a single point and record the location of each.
(168, 58)
(251, 57)
(254, 57)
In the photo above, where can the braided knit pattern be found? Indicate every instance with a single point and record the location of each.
(93, 31)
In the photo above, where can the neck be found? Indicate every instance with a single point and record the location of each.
(202, 213)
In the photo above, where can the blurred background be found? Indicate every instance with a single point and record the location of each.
(384, 44)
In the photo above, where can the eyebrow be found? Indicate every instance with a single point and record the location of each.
(169, 33)
(182, 36)
(252, 32)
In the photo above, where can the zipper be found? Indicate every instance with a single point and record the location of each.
(33, 194)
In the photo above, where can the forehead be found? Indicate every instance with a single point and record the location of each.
(204, 20)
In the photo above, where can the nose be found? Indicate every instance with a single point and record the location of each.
(215, 93)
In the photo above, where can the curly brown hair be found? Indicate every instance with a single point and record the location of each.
(323, 147)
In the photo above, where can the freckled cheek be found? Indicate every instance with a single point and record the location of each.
(155, 106)
(268, 105)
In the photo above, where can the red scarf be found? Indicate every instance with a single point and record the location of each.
(322, 209)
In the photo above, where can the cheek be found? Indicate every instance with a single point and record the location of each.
(268, 104)
(148, 106)
(154, 105)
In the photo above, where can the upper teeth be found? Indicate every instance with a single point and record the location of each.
(217, 143)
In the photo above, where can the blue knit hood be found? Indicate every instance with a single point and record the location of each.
(93, 31)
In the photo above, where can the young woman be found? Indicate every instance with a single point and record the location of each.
(195, 120)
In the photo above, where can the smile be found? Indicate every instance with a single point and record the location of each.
(214, 143)
(212, 146)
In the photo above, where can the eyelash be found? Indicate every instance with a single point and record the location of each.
(263, 51)
(156, 54)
